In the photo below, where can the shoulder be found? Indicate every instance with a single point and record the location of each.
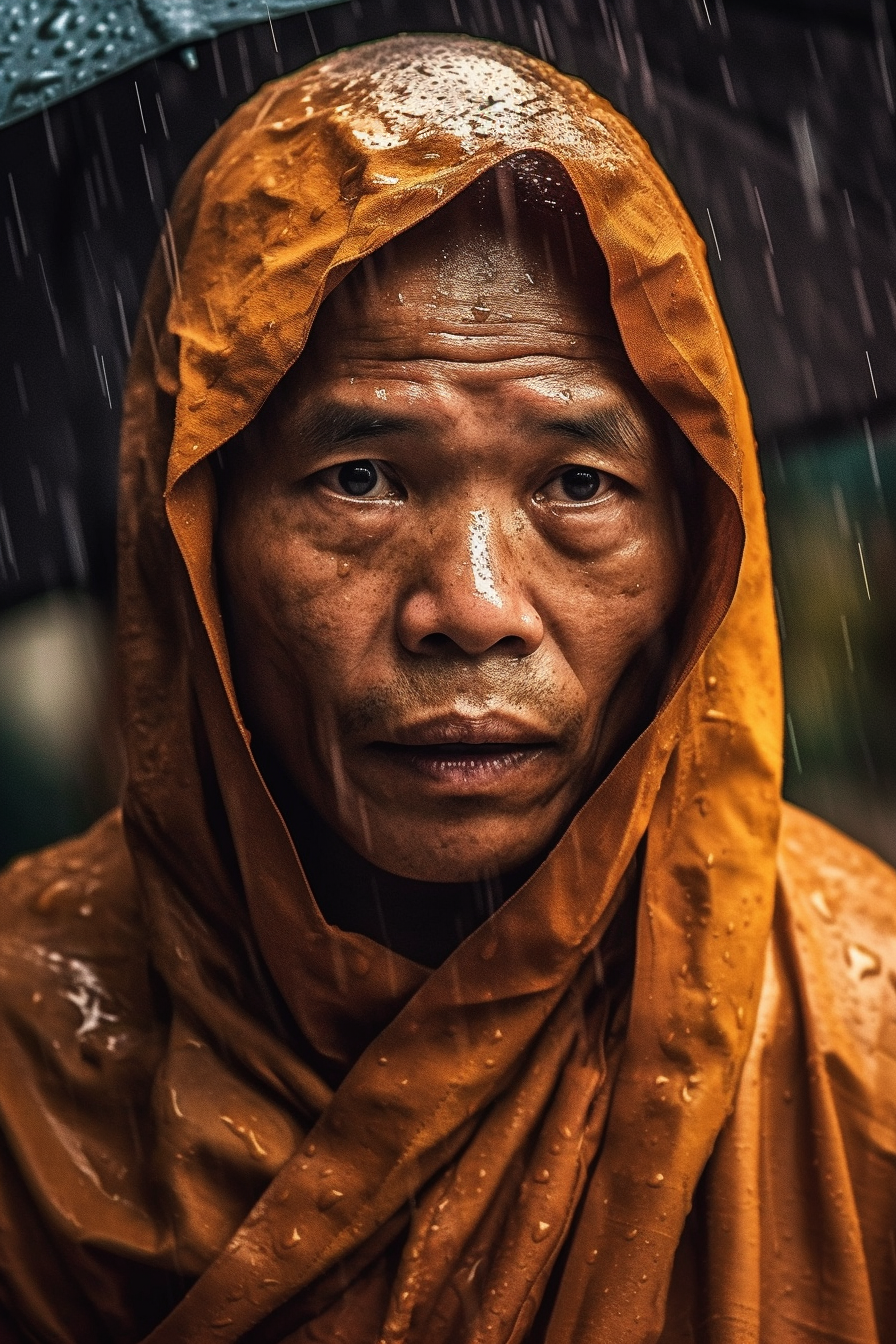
(73, 950)
(840, 902)
(845, 885)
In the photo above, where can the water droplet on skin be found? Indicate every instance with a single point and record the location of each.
(661, 1079)
(382, 1060)
(712, 682)
(327, 1198)
(565, 1132)
(309, 1150)
(555, 1149)
(710, 860)
(498, 1035)
(656, 1180)
(686, 1095)
(540, 1231)
(740, 1015)
(294, 1237)
(820, 906)
(861, 961)
(542, 1177)
(591, 1257)
(631, 1234)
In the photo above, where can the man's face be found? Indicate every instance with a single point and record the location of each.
(448, 545)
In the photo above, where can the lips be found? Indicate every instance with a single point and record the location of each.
(465, 754)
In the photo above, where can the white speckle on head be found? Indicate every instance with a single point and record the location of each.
(480, 557)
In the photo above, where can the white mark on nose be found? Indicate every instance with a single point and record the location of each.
(480, 557)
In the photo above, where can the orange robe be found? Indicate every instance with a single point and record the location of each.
(652, 1097)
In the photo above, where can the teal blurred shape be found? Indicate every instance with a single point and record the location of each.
(51, 49)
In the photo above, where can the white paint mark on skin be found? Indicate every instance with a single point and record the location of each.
(480, 557)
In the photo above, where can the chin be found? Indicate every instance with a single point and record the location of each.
(451, 854)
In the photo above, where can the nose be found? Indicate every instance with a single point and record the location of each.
(468, 593)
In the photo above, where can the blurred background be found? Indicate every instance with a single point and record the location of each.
(776, 123)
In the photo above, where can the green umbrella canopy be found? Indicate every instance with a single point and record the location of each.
(50, 49)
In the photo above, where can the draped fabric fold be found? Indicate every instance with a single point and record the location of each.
(265, 1128)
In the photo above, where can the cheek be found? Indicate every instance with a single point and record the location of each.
(616, 603)
(304, 610)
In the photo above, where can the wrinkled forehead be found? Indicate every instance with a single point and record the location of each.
(515, 247)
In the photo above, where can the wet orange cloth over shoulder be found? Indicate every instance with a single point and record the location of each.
(225, 1120)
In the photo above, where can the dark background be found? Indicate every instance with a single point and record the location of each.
(776, 123)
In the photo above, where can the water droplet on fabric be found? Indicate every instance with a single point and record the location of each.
(327, 1198)
(542, 1177)
(591, 1257)
(540, 1231)
(631, 1234)
(819, 904)
(656, 1180)
(861, 961)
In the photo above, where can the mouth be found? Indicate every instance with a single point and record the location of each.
(465, 755)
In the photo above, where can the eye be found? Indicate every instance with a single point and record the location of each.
(363, 479)
(576, 485)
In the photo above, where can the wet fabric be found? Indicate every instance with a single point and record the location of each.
(652, 1097)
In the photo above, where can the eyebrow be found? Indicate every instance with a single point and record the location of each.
(612, 427)
(334, 423)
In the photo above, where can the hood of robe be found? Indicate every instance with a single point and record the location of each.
(336, 1128)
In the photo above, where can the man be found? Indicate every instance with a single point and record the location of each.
(451, 972)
